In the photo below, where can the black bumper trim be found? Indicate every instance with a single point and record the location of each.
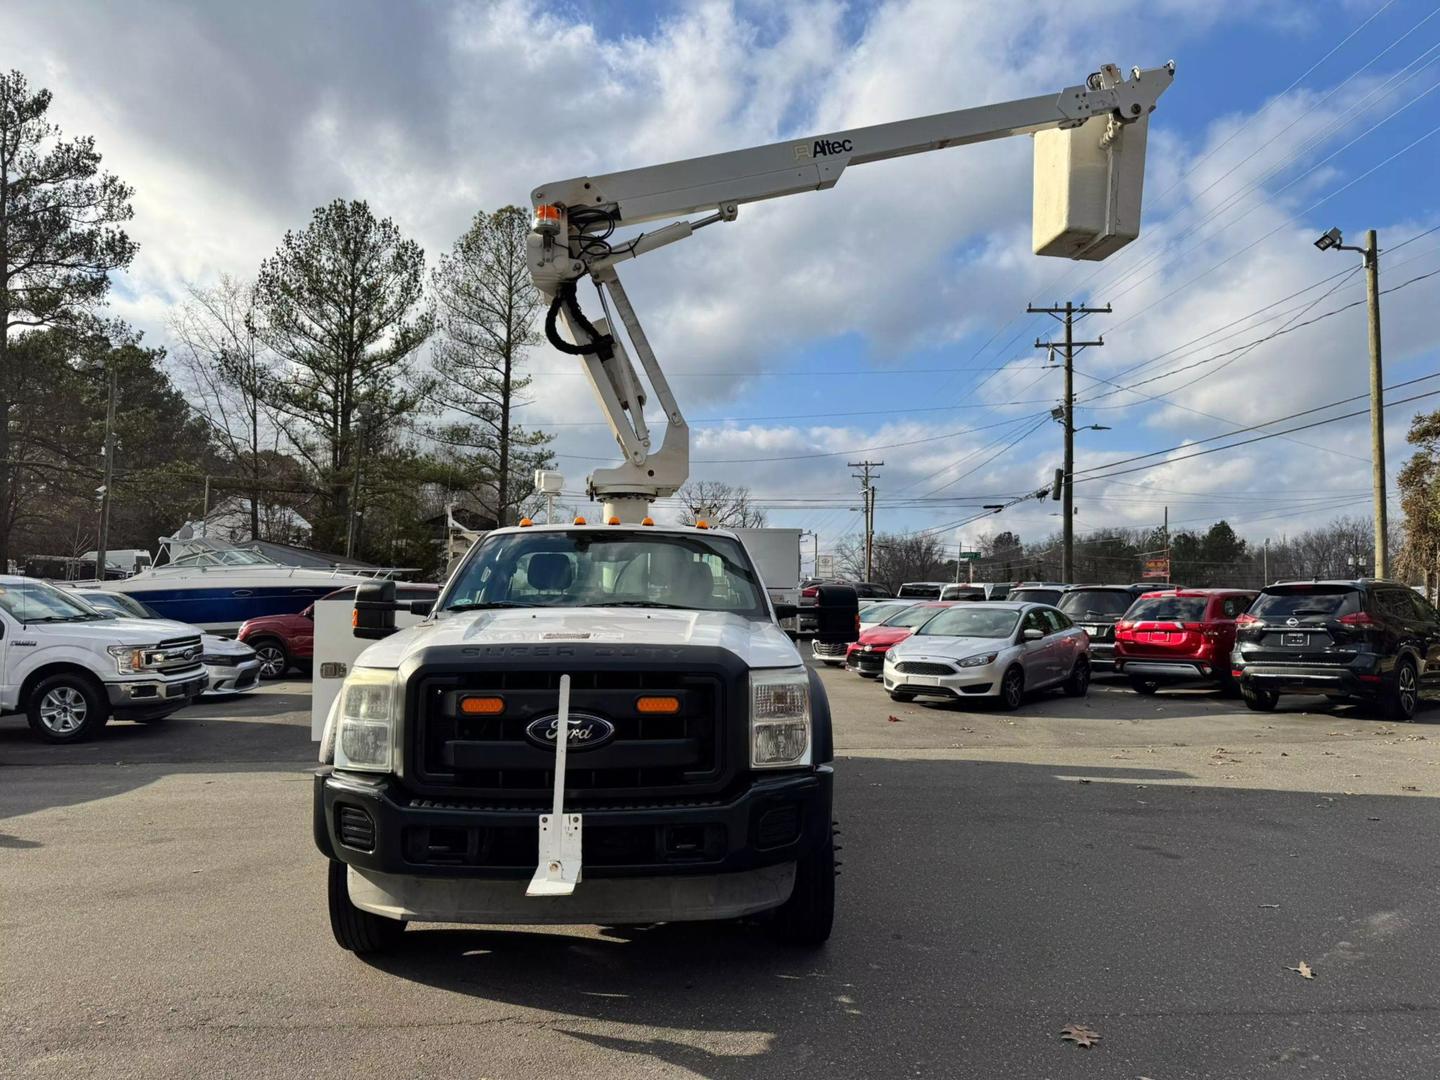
(727, 831)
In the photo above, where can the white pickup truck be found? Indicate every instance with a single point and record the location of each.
(69, 668)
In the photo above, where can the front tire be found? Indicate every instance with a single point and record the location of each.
(362, 932)
(1012, 689)
(806, 918)
(1404, 696)
(67, 708)
(1078, 684)
(274, 660)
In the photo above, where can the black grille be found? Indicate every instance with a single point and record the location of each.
(355, 828)
(865, 661)
(918, 667)
(821, 649)
(491, 757)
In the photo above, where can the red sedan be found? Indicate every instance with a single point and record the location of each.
(866, 656)
(282, 642)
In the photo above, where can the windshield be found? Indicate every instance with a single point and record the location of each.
(1035, 596)
(116, 604)
(1084, 602)
(609, 569)
(911, 617)
(962, 592)
(35, 601)
(878, 613)
(1308, 600)
(1169, 609)
(978, 621)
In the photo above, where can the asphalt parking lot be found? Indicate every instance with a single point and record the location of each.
(1150, 867)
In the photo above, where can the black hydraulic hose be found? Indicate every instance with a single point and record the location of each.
(603, 345)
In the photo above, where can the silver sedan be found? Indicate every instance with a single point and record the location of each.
(996, 650)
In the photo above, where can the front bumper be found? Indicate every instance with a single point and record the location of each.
(403, 842)
(981, 681)
(831, 653)
(157, 691)
(232, 678)
(865, 663)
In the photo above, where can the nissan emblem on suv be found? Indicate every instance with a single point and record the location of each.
(586, 731)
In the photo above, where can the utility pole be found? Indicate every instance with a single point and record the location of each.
(1370, 253)
(1265, 563)
(867, 506)
(354, 507)
(1069, 315)
(103, 538)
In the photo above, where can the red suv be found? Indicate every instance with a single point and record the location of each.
(285, 641)
(1179, 634)
(867, 656)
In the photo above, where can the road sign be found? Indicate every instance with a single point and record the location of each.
(825, 566)
(1157, 569)
(969, 555)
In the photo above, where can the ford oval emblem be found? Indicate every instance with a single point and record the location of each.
(586, 731)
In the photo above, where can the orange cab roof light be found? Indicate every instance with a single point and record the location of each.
(482, 706)
(613, 521)
(525, 523)
(702, 524)
(657, 704)
(579, 520)
(648, 521)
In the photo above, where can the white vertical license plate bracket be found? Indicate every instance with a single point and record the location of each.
(559, 868)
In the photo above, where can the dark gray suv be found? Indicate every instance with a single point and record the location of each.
(1377, 641)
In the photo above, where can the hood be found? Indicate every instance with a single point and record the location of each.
(950, 648)
(113, 631)
(759, 643)
(224, 646)
(884, 635)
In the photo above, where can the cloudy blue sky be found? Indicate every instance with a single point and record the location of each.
(883, 318)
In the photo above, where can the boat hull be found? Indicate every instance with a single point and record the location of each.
(221, 608)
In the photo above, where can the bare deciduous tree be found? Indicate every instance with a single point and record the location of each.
(726, 505)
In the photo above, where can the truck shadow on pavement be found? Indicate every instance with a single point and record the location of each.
(984, 905)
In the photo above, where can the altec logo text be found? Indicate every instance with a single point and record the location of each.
(823, 148)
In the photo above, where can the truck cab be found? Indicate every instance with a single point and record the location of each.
(698, 748)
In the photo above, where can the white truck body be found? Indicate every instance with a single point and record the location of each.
(776, 554)
(335, 653)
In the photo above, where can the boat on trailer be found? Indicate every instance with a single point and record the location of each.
(216, 585)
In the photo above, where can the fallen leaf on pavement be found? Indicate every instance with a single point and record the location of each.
(1409, 787)
(1270, 905)
(1083, 780)
(1303, 970)
(1080, 1035)
(893, 719)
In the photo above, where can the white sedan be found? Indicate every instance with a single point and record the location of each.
(996, 650)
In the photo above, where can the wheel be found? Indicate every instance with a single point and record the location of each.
(1078, 684)
(1258, 700)
(806, 918)
(362, 932)
(1144, 686)
(274, 660)
(901, 695)
(1404, 696)
(1012, 689)
(67, 708)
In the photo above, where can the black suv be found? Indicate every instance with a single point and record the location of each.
(1374, 640)
(1096, 609)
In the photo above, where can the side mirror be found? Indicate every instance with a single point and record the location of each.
(308, 613)
(1032, 634)
(422, 607)
(837, 615)
(786, 611)
(374, 615)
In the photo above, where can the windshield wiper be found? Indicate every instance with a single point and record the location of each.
(641, 603)
(1311, 611)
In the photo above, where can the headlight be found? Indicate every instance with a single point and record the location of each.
(979, 661)
(779, 718)
(365, 720)
(128, 659)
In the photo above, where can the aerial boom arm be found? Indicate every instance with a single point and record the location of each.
(575, 219)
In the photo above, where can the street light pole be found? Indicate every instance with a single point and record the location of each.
(1370, 253)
